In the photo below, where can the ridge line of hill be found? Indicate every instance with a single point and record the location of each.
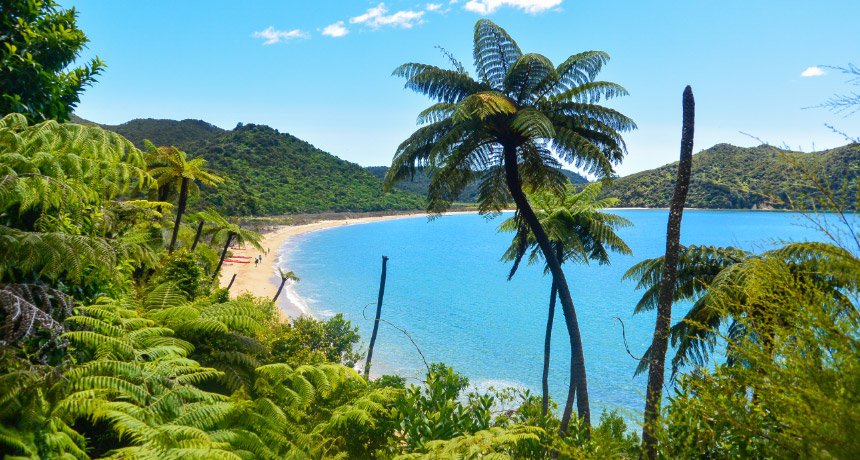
(273, 173)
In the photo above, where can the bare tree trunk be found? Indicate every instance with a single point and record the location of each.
(281, 287)
(223, 253)
(376, 321)
(180, 208)
(656, 368)
(547, 343)
(197, 236)
(231, 281)
(162, 195)
(577, 358)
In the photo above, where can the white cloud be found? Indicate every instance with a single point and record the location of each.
(273, 36)
(335, 30)
(433, 6)
(813, 72)
(529, 6)
(377, 17)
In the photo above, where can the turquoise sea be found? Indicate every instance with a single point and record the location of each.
(447, 288)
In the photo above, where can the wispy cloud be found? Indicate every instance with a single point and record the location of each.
(813, 72)
(272, 36)
(378, 16)
(433, 6)
(529, 6)
(335, 30)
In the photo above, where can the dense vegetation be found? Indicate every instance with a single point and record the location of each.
(184, 134)
(269, 173)
(39, 42)
(114, 347)
(729, 177)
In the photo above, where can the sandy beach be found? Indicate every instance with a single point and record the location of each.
(262, 280)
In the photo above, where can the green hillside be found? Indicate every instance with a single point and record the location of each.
(267, 172)
(421, 183)
(180, 134)
(729, 177)
(275, 173)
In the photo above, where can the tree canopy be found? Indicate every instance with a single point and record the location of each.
(40, 42)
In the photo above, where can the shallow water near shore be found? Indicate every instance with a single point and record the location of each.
(447, 288)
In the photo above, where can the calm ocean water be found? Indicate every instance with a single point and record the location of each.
(447, 288)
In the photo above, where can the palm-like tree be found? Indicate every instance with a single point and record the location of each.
(228, 232)
(285, 276)
(717, 280)
(502, 129)
(579, 232)
(169, 165)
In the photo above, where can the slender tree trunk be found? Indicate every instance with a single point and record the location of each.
(376, 321)
(180, 208)
(231, 281)
(162, 195)
(197, 236)
(659, 344)
(577, 359)
(281, 287)
(546, 348)
(223, 254)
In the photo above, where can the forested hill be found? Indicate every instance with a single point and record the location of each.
(267, 172)
(180, 134)
(276, 173)
(421, 183)
(729, 177)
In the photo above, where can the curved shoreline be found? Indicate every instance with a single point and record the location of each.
(262, 280)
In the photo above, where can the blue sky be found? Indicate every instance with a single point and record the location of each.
(321, 70)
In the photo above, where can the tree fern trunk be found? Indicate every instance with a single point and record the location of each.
(376, 321)
(659, 344)
(223, 254)
(180, 208)
(546, 348)
(280, 288)
(577, 359)
(162, 195)
(197, 236)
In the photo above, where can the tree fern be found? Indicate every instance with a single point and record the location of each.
(139, 381)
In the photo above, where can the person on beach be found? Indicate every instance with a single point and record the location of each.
(256, 261)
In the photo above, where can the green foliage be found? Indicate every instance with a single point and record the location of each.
(273, 173)
(53, 180)
(184, 135)
(32, 422)
(181, 269)
(520, 112)
(434, 412)
(269, 173)
(309, 341)
(707, 276)
(729, 177)
(797, 394)
(137, 378)
(39, 42)
(574, 223)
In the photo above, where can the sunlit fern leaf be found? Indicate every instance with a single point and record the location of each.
(495, 52)
(165, 295)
